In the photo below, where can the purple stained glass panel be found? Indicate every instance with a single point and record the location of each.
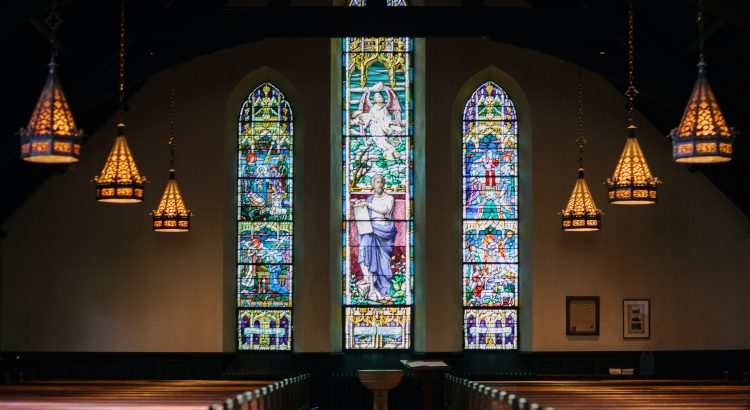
(490, 329)
(389, 3)
(264, 329)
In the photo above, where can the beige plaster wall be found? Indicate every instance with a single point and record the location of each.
(81, 276)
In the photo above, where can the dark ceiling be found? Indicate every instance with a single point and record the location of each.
(161, 33)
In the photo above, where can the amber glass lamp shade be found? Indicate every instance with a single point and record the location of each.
(581, 214)
(632, 182)
(51, 136)
(120, 181)
(171, 215)
(703, 135)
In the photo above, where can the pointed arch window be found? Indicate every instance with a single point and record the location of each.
(378, 181)
(490, 220)
(265, 221)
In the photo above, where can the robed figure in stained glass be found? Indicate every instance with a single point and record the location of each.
(376, 243)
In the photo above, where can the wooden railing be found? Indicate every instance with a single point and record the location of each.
(292, 393)
(464, 394)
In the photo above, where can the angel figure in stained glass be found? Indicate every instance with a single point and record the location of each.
(382, 117)
(489, 246)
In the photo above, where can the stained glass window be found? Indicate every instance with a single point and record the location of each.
(490, 220)
(264, 221)
(378, 181)
(389, 3)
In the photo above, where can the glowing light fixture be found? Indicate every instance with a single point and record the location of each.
(171, 215)
(119, 180)
(581, 214)
(703, 135)
(632, 182)
(51, 136)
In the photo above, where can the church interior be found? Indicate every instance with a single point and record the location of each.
(247, 202)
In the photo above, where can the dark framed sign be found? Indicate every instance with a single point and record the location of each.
(636, 318)
(582, 315)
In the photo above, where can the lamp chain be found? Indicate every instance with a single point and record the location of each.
(172, 109)
(122, 62)
(631, 93)
(581, 140)
(53, 21)
(701, 32)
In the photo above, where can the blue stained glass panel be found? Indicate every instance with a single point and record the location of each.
(264, 220)
(264, 285)
(489, 285)
(490, 197)
(265, 164)
(490, 219)
(264, 199)
(264, 242)
(378, 181)
(490, 241)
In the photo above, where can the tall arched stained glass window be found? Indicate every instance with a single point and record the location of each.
(490, 220)
(378, 181)
(264, 221)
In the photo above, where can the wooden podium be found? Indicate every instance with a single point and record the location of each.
(428, 370)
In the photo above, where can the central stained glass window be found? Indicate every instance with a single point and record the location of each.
(490, 220)
(264, 221)
(378, 181)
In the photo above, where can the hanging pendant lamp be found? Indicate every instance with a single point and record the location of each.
(703, 135)
(632, 182)
(581, 214)
(51, 136)
(119, 181)
(171, 215)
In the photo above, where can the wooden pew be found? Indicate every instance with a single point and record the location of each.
(292, 393)
(464, 394)
(135, 394)
(288, 394)
(630, 394)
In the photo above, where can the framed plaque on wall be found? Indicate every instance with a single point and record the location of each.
(582, 315)
(636, 319)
